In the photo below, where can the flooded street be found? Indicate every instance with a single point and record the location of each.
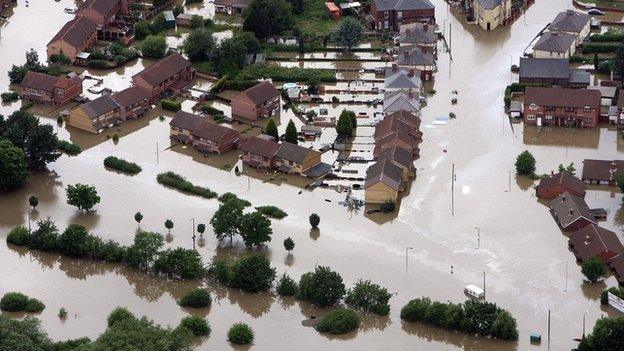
(522, 251)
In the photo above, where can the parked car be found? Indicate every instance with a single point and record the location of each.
(70, 10)
(474, 292)
(595, 12)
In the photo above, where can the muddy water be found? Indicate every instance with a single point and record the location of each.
(522, 251)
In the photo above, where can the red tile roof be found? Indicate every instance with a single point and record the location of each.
(214, 132)
(560, 97)
(103, 7)
(131, 96)
(593, 240)
(76, 31)
(605, 170)
(565, 179)
(261, 93)
(260, 146)
(39, 81)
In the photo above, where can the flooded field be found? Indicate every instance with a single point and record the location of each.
(522, 252)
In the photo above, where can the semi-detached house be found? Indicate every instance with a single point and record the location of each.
(390, 14)
(43, 88)
(561, 107)
(171, 73)
(76, 36)
(258, 102)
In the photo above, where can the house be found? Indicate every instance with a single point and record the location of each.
(419, 34)
(46, 89)
(133, 102)
(594, 241)
(170, 73)
(603, 172)
(396, 123)
(554, 72)
(259, 152)
(489, 14)
(555, 45)
(557, 184)
(76, 36)
(398, 138)
(333, 10)
(182, 126)
(95, 115)
(310, 131)
(401, 100)
(209, 137)
(185, 19)
(102, 12)
(390, 14)
(292, 158)
(383, 182)
(170, 21)
(401, 158)
(561, 107)
(406, 117)
(571, 212)
(418, 58)
(398, 78)
(260, 101)
(616, 264)
(572, 22)
(231, 7)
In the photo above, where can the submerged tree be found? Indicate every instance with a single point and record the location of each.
(82, 196)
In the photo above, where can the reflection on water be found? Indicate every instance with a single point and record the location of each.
(588, 138)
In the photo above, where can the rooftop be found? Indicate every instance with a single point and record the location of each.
(569, 21)
(163, 69)
(592, 240)
(385, 172)
(562, 97)
(555, 42)
(76, 31)
(100, 106)
(544, 68)
(568, 208)
(261, 93)
(293, 152)
(259, 146)
(605, 170)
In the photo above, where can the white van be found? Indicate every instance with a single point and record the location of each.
(474, 292)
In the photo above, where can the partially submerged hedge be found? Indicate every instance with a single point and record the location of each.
(68, 147)
(171, 105)
(177, 181)
(18, 302)
(340, 321)
(121, 165)
(272, 211)
(196, 298)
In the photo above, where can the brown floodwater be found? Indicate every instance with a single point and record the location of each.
(522, 252)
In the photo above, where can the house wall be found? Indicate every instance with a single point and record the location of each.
(562, 82)
(68, 50)
(96, 17)
(393, 19)
(64, 96)
(551, 54)
(180, 135)
(78, 119)
(559, 116)
(379, 193)
(259, 161)
(211, 146)
(36, 95)
(157, 91)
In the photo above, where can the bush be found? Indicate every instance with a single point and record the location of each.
(388, 206)
(99, 64)
(45, 238)
(289, 244)
(607, 37)
(339, 321)
(369, 297)
(240, 334)
(286, 286)
(599, 48)
(180, 263)
(171, 105)
(68, 147)
(196, 325)
(323, 287)
(179, 182)
(220, 271)
(74, 241)
(10, 96)
(315, 220)
(252, 273)
(119, 315)
(18, 302)
(18, 236)
(121, 165)
(594, 269)
(286, 74)
(231, 196)
(196, 298)
(272, 211)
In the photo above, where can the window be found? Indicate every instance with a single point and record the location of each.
(533, 106)
(400, 14)
(550, 108)
(386, 14)
(589, 120)
(530, 117)
(549, 117)
(586, 109)
(386, 24)
(569, 109)
(379, 24)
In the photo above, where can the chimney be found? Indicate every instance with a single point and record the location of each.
(411, 73)
(405, 53)
(563, 198)
(571, 212)
(552, 173)
(425, 27)
(410, 94)
(394, 67)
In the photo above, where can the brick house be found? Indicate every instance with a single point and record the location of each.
(602, 172)
(204, 135)
(398, 122)
(47, 89)
(257, 102)
(77, 35)
(401, 158)
(258, 152)
(102, 12)
(95, 115)
(557, 184)
(383, 182)
(133, 102)
(594, 241)
(390, 14)
(571, 212)
(182, 125)
(419, 58)
(561, 107)
(292, 158)
(173, 70)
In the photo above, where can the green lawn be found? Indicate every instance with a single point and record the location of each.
(314, 21)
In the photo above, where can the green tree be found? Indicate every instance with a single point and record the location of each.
(252, 273)
(38, 141)
(349, 34)
(339, 321)
(197, 325)
(345, 123)
(159, 23)
(138, 217)
(199, 45)
(570, 168)
(74, 241)
(196, 21)
(525, 164)
(13, 167)
(313, 85)
(180, 263)
(201, 228)
(619, 59)
(154, 46)
(291, 133)
(248, 40)
(196, 298)
(45, 237)
(17, 74)
(289, 244)
(608, 334)
(33, 201)
(594, 269)
(177, 10)
(271, 129)
(268, 17)
(82, 196)
(226, 221)
(323, 287)
(18, 302)
(144, 250)
(286, 286)
(230, 57)
(297, 7)
(369, 297)
(315, 220)
(255, 228)
(240, 334)
(142, 30)
(169, 225)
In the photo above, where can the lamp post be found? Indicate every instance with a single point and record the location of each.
(407, 248)
(193, 221)
(478, 237)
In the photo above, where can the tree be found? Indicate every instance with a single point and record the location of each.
(199, 45)
(313, 85)
(593, 269)
(13, 167)
(197, 325)
(240, 334)
(289, 244)
(570, 168)
(32, 60)
(268, 17)
(45, 238)
(154, 46)
(369, 297)
(271, 129)
(196, 21)
(201, 228)
(177, 9)
(33, 201)
(138, 217)
(230, 57)
(323, 287)
(255, 228)
(248, 40)
(525, 164)
(23, 334)
(349, 34)
(74, 241)
(314, 220)
(345, 123)
(225, 222)
(297, 6)
(180, 263)
(144, 250)
(608, 334)
(339, 321)
(619, 59)
(286, 286)
(159, 23)
(169, 225)
(17, 74)
(291, 133)
(82, 196)
(38, 142)
(142, 30)
(252, 273)
(196, 298)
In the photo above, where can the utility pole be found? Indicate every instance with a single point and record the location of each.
(406, 255)
(453, 190)
(478, 238)
(584, 314)
(566, 277)
(157, 154)
(193, 220)
(548, 328)
(509, 182)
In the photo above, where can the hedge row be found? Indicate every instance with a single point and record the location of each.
(272, 211)
(18, 302)
(599, 48)
(122, 165)
(286, 74)
(179, 182)
(171, 105)
(607, 37)
(68, 147)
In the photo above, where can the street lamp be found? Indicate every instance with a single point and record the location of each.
(406, 254)
(478, 237)
(193, 220)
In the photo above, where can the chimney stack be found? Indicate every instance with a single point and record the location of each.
(425, 27)
(405, 53)
(423, 49)
(410, 94)
(394, 66)
(411, 73)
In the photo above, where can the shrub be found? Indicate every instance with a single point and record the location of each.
(286, 286)
(252, 273)
(9, 97)
(289, 244)
(593, 269)
(525, 164)
(98, 64)
(74, 240)
(415, 310)
(388, 206)
(18, 236)
(220, 271)
(599, 48)
(119, 315)
(62, 313)
(240, 334)
(196, 298)
(369, 297)
(171, 105)
(18, 302)
(231, 196)
(180, 263)
(196, 325)
(286, 74)
(323, 287)
(122, 165)
(272, 211)
(179, 182)
(339, 321)
(314, 220)
(45, 238)
(68, 147)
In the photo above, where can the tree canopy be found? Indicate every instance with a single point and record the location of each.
(154, 46)
(594, 269)
(226, 220)
(291, 133)
(525, 164)
(268, 17)
(37, 141)
(199, 45)
(608, 334)
(349, 34)
(255, 228)
(323, 287)
(13, 167)
(82, 196)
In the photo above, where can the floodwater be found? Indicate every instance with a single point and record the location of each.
(522, 252)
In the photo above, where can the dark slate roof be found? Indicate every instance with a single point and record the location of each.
(567, 208)
(102, 105)
(555, 42)
(235, 3)
(399, 155)
(260, 146)
(164, 69)
(414, 56)
(131, 96)
(569, 21)
(592, 240)
(384, 171)
(561, 97)
(294, 153)
(213, 132)
(40, 81)
(602, 169)
(262, 92)
(489, 4)
(402, 78)
(185, 120)
(617, 266)
(402, 5)
(565, 179)
(103, 7)
(76, 31)
(418, 34)
(544, 68)
(401, 100)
